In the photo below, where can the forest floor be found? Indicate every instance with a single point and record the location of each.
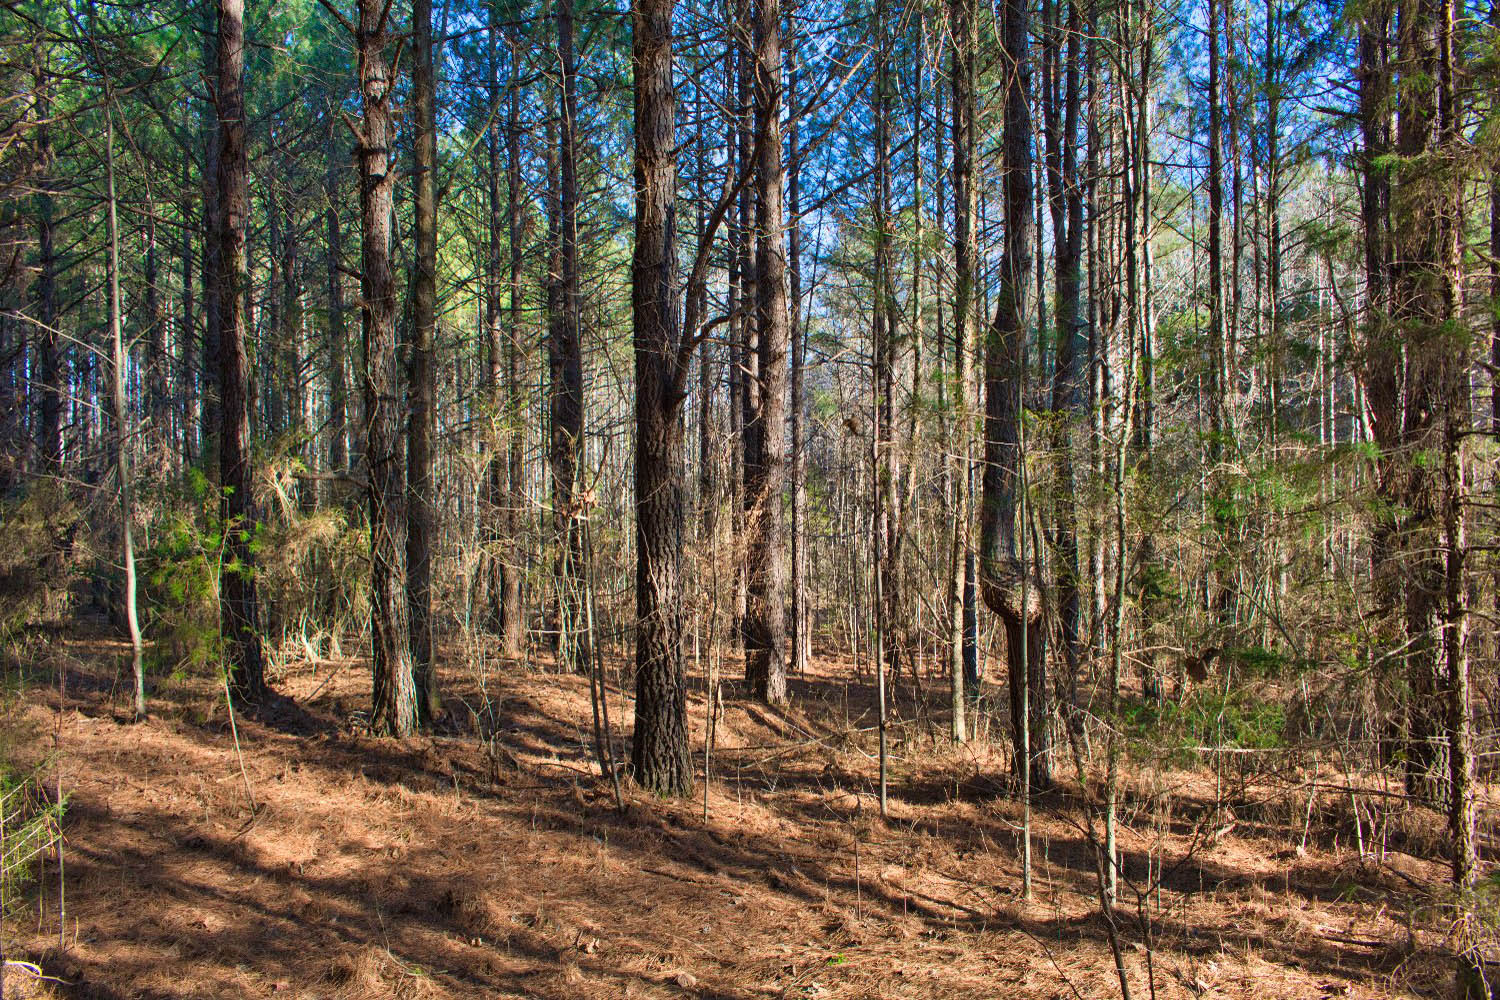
(491, 861)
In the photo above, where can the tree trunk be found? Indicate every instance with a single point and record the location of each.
(765, 436)
(566, 401)
(186, 392)
(512, 610)
(1066, 204)
(887, 515)
(211, 414)
(338, 415)
(963, 29)
(239, 611)
(660, 756)
(1419, 310)
(158, 397)
(121, 422)
(50, 360)
(1009, 586)
(396, 709)
(421, 426)
(494, 396)
(801, 622)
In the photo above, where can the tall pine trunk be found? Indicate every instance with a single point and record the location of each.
(396, 710)
(566, 356)
(50, 354)
(660, 756)
(338, 393)
(421, 394)
(765, 435)
(963, 29)
(512, 610)
(238, 608)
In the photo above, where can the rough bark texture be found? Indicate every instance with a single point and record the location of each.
(1420, 306)
(395, 710)
(660, 756)
(963, 28)
(1065, 200)
(566, 357)
(158, 398)
(238, 609)
(1216, 367)
(765, 435)
(494, 340)
(512, 608)
(213, 320)
(1001, 567)
(884, 334)
(421, 393)
(186, 395)
(801, 624)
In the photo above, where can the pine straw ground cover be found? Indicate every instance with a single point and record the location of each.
(490, 861)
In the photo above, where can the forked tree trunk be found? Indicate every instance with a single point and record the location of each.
(1009, 584)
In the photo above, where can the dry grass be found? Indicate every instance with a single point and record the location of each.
(434, 868)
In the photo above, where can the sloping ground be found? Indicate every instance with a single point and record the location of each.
(491, 862)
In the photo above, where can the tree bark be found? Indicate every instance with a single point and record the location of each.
(50, 354)
(121, 421)
(512, 609)
(886, 472)
(566, 402)
(211, 414)
(660, 757)
(494, 336)
(1419, 308)
(1009, 586)
(158, 397)
(239, 610)
(963, 29)
(338, 415)
(801, 622)
(765, 435)
(421, 426)
(1066, 204)
(396, 710)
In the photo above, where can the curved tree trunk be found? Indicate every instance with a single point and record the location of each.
(1009, 586)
